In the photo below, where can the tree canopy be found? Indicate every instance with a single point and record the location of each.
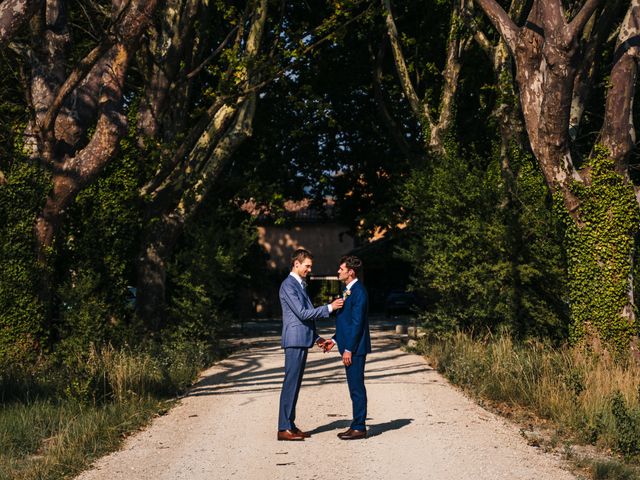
(491, 141)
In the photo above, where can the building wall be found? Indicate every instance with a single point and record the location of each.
(326, 241)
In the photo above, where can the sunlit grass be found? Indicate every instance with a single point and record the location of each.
(43, 440)
(58, 429)
(587, 394)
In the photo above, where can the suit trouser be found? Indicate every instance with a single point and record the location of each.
(295, 359)
(357, 391)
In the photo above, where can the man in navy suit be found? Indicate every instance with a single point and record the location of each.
(354, 342)
(298, 335)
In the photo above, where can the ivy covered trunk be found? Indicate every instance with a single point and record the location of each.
(600, 254)
(553, 54)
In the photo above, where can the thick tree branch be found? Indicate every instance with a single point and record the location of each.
(182, 151)
(501, 21)
(584, 82)
(186, 170)
(72, 173)
(419, 107)
(70, 84)
(240, 130)
(580, 20)
(170, 53)
(483, 42)
(78, 171)
(618, 132)
(552, 15)
(456, 45)
(387, 117)
(13, 15)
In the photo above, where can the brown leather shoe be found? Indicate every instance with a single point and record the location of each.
(353, 435)
(297, 431)
(346, 432)
(289, 435)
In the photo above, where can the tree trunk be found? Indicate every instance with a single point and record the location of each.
(166, 51)
(66, 104)
(13, 15)
(599, 198)
(178, 191)
(435, 130)
(158, 242)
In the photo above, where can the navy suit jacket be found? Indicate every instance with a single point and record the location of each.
(352, 323)
(298, 315)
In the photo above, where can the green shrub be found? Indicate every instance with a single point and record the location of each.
(627, 424)
(486, 255)
(612, 470)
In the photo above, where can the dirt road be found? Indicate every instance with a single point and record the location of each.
(420, 427)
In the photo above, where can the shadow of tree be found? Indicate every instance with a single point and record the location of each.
(244, 375)
(244, 371)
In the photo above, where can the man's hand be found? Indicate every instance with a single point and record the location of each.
(328, 345)
(346, 358)
(321, 342)
(337, 303)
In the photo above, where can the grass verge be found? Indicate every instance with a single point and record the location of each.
(55, 422)
(587, 396)
(47, 440)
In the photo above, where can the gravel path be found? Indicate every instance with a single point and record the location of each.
(420, 427)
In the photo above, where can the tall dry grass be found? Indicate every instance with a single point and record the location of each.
(87, 407)
(124, 373)
(586, 393)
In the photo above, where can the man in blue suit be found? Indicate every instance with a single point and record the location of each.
(298, 335)
(354, 342)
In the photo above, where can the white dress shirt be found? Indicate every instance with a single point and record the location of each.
(303, 284)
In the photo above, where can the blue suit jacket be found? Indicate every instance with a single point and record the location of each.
(352, 323)
(298, 315)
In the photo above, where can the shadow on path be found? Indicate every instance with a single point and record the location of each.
(373, 430)
(245, 372)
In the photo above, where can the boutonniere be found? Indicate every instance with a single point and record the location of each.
(345, 294)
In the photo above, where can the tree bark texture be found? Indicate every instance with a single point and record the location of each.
(170, 45)
(553, 58)
(67, 103)
(13, 15)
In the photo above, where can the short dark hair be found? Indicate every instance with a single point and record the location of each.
(352, 263)
(300, 254)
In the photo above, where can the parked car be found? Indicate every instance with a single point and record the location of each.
(399, 301)
(131, 297)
